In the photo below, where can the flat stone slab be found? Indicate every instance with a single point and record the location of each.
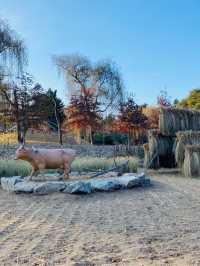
(18, 184)
(78, 187)
(8, 183)
(49, 187)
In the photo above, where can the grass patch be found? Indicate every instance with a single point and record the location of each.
(93, 164)
(86, 164)
(14, 168)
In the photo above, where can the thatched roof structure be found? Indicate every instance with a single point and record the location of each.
(191, 166)
(159, 152)
(172, 120)
(185, 138)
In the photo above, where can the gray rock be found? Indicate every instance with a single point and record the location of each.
(78, 187)
(8, 183)
(145, 182)
(49, 187)
(24, 187)
(129, 181)
(105, 185)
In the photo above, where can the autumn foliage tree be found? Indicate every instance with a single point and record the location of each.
(152, 113)
(83, 116)
(131, 120)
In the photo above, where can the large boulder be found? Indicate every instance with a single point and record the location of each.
(24, 187)
(8, 183)
(49, 187)
(78, 187)
(129, 181)
(19, 185)
(105, 185)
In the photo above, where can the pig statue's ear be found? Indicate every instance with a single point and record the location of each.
(34, 149)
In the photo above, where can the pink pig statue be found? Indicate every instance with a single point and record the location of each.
(41, 159)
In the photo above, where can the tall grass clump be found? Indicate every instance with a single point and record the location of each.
(14, 168)
(94, 164)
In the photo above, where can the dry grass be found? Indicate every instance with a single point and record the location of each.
(7, 139)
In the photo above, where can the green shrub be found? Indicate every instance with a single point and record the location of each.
(14, 168)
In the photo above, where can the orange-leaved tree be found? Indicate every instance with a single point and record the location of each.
(131, 120)
(83, 116)
(152, 113)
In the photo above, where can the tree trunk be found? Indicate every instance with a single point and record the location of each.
(60, 135)
(58, 123)
(19, 132)
(129, 139)
(78, 136)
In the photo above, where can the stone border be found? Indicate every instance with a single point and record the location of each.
(18, 184)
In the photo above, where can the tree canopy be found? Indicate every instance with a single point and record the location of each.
(131, 119)
(192, 101)
(12, 50)
(101, 80)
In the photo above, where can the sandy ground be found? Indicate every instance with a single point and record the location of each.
(147, 226)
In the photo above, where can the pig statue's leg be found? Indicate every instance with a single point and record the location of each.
(66, 171)
(41, 168)
(61, 174)
(34, 172)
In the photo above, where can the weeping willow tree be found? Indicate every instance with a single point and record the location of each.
(12, 59)
(12, 51)
(102, 80)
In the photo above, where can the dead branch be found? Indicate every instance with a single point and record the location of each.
(120, 169)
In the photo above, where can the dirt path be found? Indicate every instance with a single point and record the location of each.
(154, 226)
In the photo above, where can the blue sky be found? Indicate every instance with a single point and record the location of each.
(155, 43)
